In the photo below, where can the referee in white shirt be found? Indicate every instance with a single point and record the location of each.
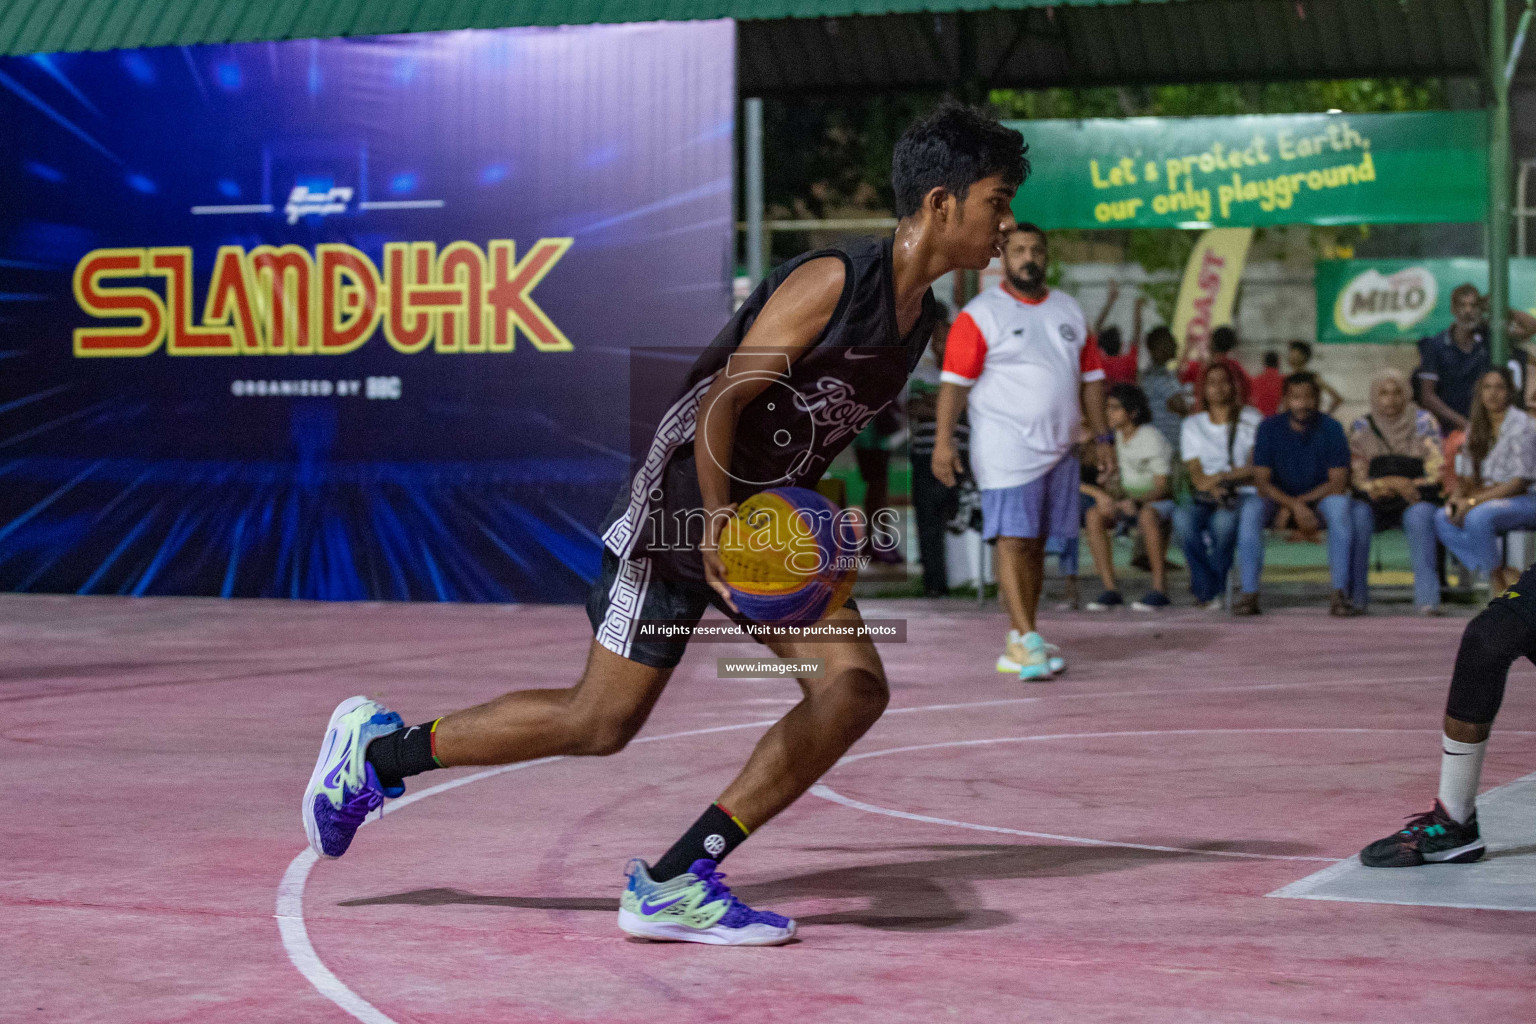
(1020, 358)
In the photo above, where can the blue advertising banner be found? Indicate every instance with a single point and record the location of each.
(347, 318)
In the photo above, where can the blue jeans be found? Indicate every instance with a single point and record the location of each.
(1349, 524)
(1065, 550)
(1208, 535)
(1475, 543)
(1252, 516)
(1419, 525)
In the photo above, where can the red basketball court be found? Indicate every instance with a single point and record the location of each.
(1101, 848)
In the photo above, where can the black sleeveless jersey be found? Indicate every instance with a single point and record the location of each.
(786, 436)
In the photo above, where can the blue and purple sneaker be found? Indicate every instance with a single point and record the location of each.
(695, 907)
(344, 789)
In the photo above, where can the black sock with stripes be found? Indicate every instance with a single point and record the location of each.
(712, 837)
(403, 753)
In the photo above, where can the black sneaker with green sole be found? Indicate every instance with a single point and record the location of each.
(1433, 837)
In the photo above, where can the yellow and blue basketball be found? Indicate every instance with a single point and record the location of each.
(789, 556)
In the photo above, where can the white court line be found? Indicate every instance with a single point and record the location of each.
(1302, 888)
(403, 204)
(1183, 691)
(246, 208)
(828, 793)
(290, 891)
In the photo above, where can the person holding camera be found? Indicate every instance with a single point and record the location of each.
(1395, 464)
(1217, 447)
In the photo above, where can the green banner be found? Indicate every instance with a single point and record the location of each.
(1387, 301)
(1201, 172)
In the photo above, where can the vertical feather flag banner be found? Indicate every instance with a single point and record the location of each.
(1209, 288)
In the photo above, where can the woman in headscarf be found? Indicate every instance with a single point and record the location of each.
(1395, 465)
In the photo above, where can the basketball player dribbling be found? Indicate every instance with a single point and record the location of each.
(842, 328)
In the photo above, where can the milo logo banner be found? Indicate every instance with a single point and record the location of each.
(1386, 301)
(347, 318)
(1202, 172)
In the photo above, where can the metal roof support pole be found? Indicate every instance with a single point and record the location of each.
(754, 188)
(1501, 68)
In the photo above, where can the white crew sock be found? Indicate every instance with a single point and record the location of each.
(1461, 766)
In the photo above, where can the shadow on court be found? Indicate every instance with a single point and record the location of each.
(930, 894)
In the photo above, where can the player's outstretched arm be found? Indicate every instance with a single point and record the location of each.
(792, 320)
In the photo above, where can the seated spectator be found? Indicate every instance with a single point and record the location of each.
(1301, 465)
(1494, 473)
(1298, 356)
(1140, 495)
(1217, 448)
(1165, 395)
(1223, 344)
(1395, 465)
(1265, 395)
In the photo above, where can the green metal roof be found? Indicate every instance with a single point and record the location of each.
(45, 26)
(825, 46)
(1140, 44)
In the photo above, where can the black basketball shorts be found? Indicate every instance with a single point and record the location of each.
(631, 591)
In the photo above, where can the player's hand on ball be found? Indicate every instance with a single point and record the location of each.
(709, 550)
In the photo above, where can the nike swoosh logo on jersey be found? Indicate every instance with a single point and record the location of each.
(849, 354)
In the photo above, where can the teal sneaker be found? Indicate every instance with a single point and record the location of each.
(695, 907)
(1017, 654)
(343, 789)
(1014, 655)
(1041, 660)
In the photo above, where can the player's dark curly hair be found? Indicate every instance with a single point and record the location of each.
(952, 148)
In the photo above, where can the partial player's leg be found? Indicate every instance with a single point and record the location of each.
(368, 752)
(1020, 520)
(834, 711)
(597, 716)
(683, 897)
(1020, 578)
(1448, 832)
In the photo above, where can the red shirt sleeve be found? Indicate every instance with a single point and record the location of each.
(965, 351)
(1091, 361)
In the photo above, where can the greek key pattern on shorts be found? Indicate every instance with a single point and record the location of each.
(625, 599)
(677, 427)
